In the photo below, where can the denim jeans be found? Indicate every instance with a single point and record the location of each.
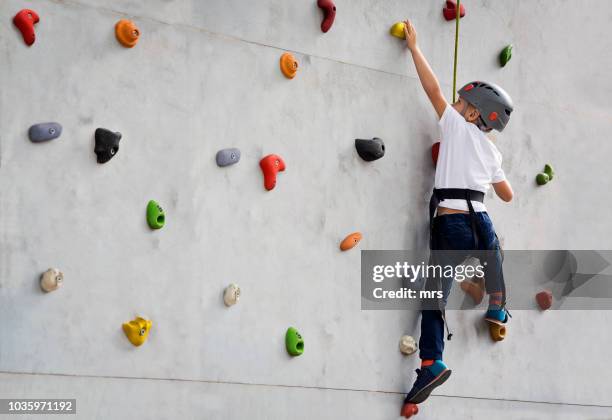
(454, 232)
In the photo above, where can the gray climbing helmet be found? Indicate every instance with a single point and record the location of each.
(493, 103)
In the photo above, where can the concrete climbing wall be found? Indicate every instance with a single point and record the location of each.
(205, 76)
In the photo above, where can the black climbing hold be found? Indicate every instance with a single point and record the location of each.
(107, 144)
(44, 132)
(370, 150)
(226, 157)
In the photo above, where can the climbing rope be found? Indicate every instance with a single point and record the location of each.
(456, 48)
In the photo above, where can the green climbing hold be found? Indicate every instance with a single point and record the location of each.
(542, 179)
(155, 215)
(294, 342)
(548, 170)
(505, 55)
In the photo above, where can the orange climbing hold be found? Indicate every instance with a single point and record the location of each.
(409, 409)
(127, 33)
(497, 331)
(475, 289)
(350, 241)
(288, 65)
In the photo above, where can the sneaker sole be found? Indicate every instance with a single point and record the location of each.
(423, 394)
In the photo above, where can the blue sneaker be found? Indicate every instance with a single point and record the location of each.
(427, 380)
(497, 316)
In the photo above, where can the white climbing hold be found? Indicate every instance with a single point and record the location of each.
(51, 280)
(231, 295)
(407, 345)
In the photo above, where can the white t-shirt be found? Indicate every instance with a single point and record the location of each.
(467, 159)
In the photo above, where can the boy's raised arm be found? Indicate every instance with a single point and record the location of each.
(426, 75)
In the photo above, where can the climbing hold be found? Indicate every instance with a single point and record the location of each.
(271, 165)
(107, 144)
(474, 289)
(397, 30)
(370, 149)
(542, 179)
(350, 241)
(329, 13)
(407, 345)
(450, 10)
(127, 33)
(25, 21)
(505, 55)
(409, 409)
(288, 65)
(137, 330)
(227, 157)
(497, 331)
(544, 299)
(44, 131)
(435, 151)
(51, 280)
(548, 170)
(231, 295)
(294, 342)
(155, 215)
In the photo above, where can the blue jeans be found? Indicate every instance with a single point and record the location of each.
(454, 232)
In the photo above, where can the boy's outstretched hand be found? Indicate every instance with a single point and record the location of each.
(411, 35)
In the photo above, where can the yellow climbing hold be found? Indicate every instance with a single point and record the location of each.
(397, 30)
(137, 330)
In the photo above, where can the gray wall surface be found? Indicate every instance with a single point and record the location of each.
(204, 76)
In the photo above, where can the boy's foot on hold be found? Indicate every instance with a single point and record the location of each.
(428, 378)
(497, 316)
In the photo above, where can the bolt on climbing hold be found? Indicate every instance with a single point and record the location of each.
(294, 342)
(370, 149)
(329, 14)
(25, 21)
(231, 295)
(350, 241)
(397, 30)
(155, 215)
(127, 33)
(226, 157)
(542, 178)
(270, 166)
(548, 170)
(107, 144)
(407, 345)
(505, 55)
(137, 330)
(435, 151)
(450, 10)
(44, 132)
(544, 299)
(51, 280)
(409, 409)
(288, 65)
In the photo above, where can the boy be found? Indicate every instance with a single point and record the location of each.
(468, 163)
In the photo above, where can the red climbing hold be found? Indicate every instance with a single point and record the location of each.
(271, 165)
(24, 21)
(409, 409)
(450, 11)
(329, 13)
(544, 299)
(435, 151)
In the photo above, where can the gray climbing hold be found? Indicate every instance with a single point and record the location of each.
(44, 131)
(226, 157)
